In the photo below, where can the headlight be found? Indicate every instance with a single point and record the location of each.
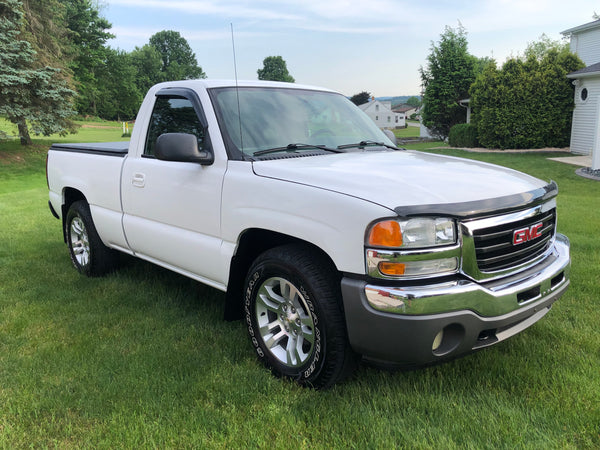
(412, 248)
(417, 232)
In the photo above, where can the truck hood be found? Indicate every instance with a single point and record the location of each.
(396, 179)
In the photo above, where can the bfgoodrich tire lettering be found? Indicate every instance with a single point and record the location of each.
(294, 316)
(88, 253)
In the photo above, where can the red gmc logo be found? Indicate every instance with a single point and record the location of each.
(527, 234)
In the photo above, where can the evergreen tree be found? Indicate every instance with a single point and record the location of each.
(360, 98)
(275, 69)
(45, 29)
(528, 102)
(446, 80)
(29, 95)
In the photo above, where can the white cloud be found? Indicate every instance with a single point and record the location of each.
(226, 9)
(320, 39)
(192, 35)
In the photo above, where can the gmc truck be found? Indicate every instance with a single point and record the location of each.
(331, 243)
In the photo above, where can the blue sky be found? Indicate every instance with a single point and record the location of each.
(346, 45)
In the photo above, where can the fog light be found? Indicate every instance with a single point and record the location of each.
(448, 339)
(437, 341)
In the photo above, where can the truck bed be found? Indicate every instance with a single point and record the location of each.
(119, 149)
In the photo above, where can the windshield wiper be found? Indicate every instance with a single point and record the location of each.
(363, 144)
(294, 147)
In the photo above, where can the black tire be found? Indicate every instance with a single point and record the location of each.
(88, 253)
(295, 319)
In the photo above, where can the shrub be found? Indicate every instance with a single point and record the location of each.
(463, 135)
(527, 103)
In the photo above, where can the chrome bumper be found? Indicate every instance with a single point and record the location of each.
(416, 325)
(486, 299)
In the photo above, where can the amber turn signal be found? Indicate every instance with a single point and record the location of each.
(386, 234)
(392, 269)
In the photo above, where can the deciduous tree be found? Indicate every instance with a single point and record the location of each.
(148, 64)
(119, 95)
(178, 60)
(88, 34)
(275, 69)
(414, 101)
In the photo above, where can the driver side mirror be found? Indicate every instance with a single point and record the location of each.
(391, 136)
(181, 147)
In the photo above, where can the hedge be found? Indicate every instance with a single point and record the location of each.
(463, 135)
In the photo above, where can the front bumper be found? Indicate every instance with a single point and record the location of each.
(417, 325)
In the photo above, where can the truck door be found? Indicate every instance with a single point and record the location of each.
(171, 210)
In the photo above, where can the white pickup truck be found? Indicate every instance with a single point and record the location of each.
(331, 243)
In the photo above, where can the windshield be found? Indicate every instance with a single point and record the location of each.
(276, 118)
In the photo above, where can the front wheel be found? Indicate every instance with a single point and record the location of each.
(88, 253)
(295, 319)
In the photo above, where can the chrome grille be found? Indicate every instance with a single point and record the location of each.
(494, 247)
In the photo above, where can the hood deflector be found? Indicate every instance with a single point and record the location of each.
(481, 208)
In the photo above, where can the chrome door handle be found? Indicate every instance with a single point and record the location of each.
(139, 180)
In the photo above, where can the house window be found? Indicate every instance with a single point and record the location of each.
(396, 119)
(583, 94)
(376, 117)
(376, 107)
(389, 119)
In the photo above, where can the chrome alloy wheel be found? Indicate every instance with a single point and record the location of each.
(80, 243)
(285, 322)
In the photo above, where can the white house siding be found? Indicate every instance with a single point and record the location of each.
(585, 42)
(584, 116)
(382, 115)
(587, 45)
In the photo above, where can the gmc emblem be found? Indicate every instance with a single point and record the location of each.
(527, 234)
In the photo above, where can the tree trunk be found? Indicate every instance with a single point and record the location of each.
(24, 132)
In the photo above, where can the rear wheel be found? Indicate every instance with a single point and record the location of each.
(295, 319)
(88, 253)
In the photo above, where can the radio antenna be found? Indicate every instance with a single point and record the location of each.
(237, 89)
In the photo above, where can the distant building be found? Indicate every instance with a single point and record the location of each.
(381, 113)
(585, 42)
(407, 110)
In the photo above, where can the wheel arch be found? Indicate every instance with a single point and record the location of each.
(252, 243)
(70, 196)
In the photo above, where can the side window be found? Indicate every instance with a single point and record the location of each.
(173, 115)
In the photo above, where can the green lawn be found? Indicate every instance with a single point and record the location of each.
(141, 358)
(408, 132)
(88, 131)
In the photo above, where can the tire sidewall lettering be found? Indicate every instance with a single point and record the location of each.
(255, 280)
(247, 302)
(316, 357)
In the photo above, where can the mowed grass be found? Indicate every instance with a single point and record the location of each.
(408, 132)
(142, 358)
(93, 130)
